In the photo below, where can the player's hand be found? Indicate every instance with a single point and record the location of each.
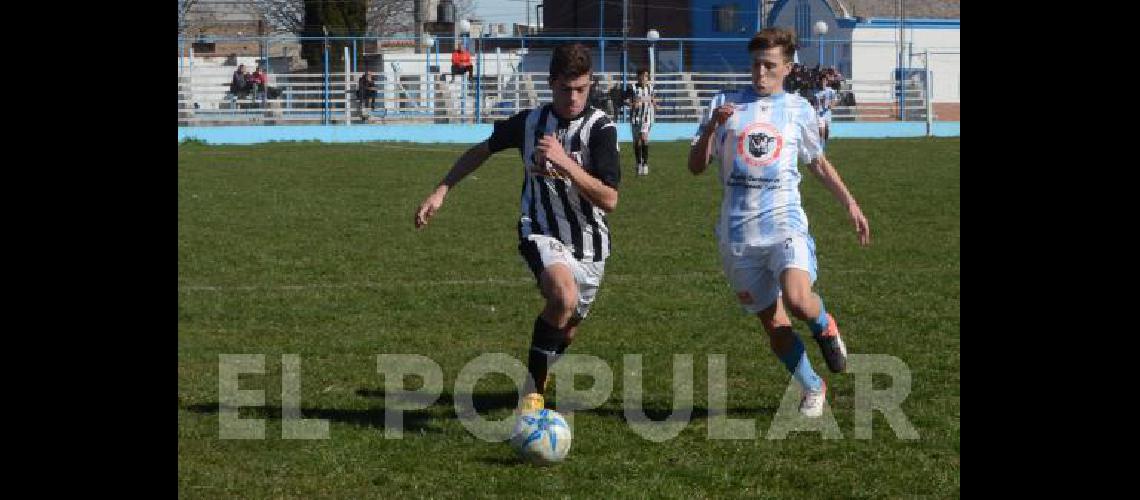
(862, 228)
(722, 112)
(429, 207)
(550, 148)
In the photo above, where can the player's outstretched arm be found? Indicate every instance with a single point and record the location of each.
(471, 160)
(830, 178)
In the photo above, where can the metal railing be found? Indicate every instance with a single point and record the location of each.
(305, 98)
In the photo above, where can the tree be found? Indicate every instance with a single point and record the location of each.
(332, 18)
(372, 18)
(383, 18)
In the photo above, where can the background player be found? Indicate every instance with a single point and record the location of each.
(643, 107)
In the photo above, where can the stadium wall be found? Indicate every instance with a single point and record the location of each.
(877, 61)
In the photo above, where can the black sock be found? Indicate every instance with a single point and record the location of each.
(645, 152)
(545, 344)
(637, 152)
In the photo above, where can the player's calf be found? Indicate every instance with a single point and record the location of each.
(826, 333)
(546, 342)
(786, 345)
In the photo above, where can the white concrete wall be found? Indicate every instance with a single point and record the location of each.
(875, 56)
(412, 63)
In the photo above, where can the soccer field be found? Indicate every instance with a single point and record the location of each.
(309, 249)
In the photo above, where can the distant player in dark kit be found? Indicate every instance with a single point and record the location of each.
(643, 107)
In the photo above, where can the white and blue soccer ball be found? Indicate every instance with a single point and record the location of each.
(541, 437)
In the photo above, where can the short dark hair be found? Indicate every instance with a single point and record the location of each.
(570, 61)
(642, 70)
(775, 37)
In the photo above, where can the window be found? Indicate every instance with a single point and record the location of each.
(725, 18)
(803, 23)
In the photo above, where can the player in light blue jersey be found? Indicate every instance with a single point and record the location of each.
(758, 134)
(825, 100)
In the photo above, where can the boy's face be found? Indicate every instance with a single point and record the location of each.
(569, 95)
(769, 68)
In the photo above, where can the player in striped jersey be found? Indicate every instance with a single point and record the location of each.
(571, 175)
(766, 250)
(643, 106)
(825, 100)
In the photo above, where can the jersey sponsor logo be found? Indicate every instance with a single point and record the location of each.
(759, 145)
(548, 170)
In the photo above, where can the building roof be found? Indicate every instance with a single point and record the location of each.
(921, 9)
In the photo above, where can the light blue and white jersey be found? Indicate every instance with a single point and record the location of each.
(757, 149)
(825, 98)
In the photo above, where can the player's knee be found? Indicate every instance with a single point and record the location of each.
(569, 333)
(564, 298)
(799, 302)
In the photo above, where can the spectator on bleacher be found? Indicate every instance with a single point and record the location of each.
(461, 62)
(258, 82)
(239, 86)
(599, 98)
(366, 90)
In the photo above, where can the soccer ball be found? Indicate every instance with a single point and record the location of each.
(541, 437)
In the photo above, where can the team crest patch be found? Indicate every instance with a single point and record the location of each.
(759, 145)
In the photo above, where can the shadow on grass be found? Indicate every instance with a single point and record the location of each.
(436, 409)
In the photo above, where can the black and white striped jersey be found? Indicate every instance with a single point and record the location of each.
(551, 204)
(641, 113)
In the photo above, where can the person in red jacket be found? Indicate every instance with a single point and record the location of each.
(461, 62)
(258, 81)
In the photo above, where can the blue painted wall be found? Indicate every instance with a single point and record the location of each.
(728, 56)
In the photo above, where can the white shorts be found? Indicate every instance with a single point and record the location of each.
(639, 128)
(541, 251)
(754, 271)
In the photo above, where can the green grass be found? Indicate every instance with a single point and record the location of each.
(309, 249)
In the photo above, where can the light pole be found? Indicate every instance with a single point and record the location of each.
(428, 43)
(653, 36)
(624, 42)
(601, 35)
(820, 29)
(477, 76)
(464, 30)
